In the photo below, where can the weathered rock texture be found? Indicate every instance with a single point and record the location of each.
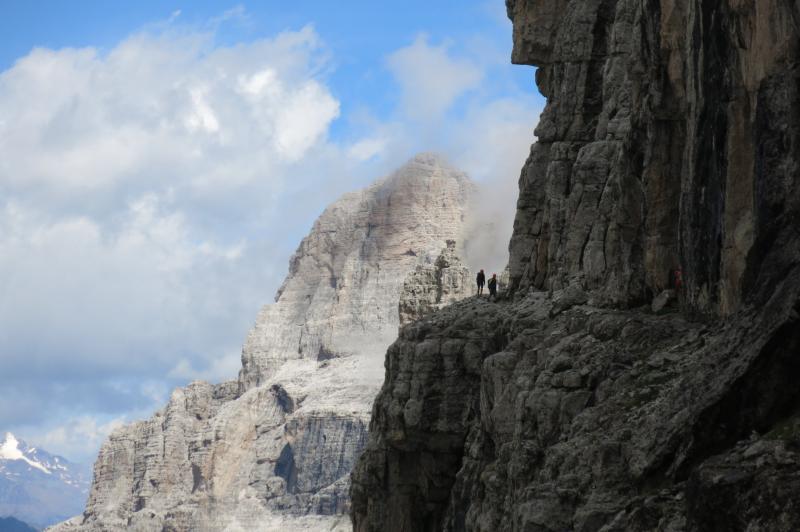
(273, 450)
(670, 139)
(347, 276)
(433, 286)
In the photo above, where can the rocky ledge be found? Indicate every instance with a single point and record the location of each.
(548, 413)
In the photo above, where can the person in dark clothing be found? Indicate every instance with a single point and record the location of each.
(493, 286)
(481, 281)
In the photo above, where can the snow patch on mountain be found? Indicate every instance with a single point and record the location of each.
(10, 451)
(38, 487)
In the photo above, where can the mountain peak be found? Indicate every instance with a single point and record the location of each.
(10, 450)
(431, 158)
(426, 167)
(434, 160)
(38, 487)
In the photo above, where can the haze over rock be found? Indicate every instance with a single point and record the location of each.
(347, 275)
(433, 286)
(274, 449)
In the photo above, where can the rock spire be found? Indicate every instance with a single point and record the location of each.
(273, 450)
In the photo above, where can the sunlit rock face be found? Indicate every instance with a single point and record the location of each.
(274, 449)
(584, 401)
(345, 279)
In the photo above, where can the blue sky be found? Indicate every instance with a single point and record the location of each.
(359, 33)
(159, 163)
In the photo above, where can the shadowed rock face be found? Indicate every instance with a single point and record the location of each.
(529, 415)
(670, 140)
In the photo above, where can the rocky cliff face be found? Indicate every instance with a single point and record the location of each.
(273, 450)
(434, 286)
(670, 140)
(347, 276)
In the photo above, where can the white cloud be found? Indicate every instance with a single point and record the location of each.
(159, 104)
(141, 215)
(366, 149)
(218, 370)
(431, 78)
(151, 197)
(77, 291)
(303, 118)
(77, 434)
(201, 116)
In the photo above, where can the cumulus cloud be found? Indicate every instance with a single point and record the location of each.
(141, 210)
(164, 104)
(150, 197)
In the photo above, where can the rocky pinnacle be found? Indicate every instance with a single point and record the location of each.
(274, 449)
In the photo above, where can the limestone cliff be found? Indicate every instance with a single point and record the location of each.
(273, 450)
(434, 286)
(347, 276)
(669, 141)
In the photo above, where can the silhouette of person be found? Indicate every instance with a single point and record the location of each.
(481, 279)
(493, 287)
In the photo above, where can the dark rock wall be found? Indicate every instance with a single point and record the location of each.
(669, 141)
(549, 414)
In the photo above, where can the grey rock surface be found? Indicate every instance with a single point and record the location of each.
(347, 275)
(506, 416)
(670, 140)
(273, 450)
(433, 286)
(661, 301)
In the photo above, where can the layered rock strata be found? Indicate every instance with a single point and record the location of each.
(434, 286)
(669, 141)
(274, 449)
(549, 414)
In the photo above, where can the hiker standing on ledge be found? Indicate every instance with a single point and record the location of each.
(493, 287)
(481, 281)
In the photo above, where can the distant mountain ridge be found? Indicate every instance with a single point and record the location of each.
(9, 524)
(37, 487)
